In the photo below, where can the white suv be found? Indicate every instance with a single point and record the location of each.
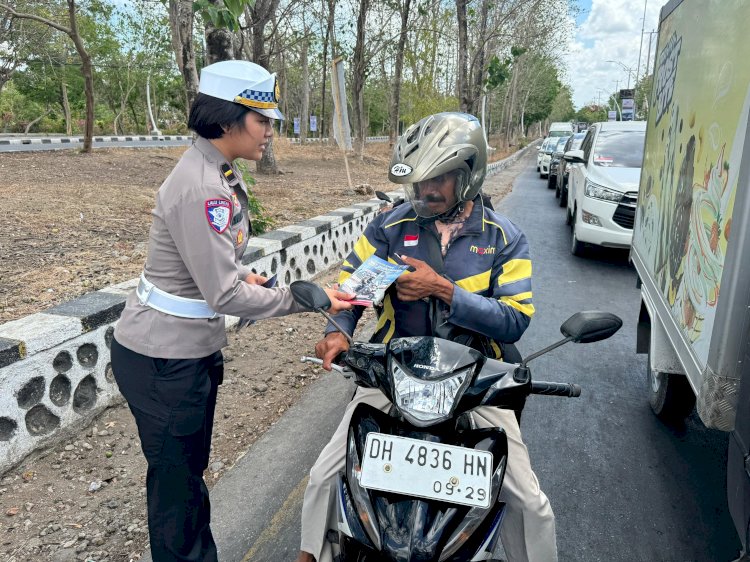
(545, 155)
(603, 190)
(540, 152)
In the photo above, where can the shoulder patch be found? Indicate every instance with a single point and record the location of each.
(218, 213)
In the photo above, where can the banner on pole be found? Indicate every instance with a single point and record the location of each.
(313, 123)
(296, 125)
(611, 115)
(341, 115)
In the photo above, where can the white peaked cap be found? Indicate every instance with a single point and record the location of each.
(242, 82)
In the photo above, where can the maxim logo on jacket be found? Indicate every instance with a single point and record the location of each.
(482, 251)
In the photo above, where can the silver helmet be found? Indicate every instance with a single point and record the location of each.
(436, 145)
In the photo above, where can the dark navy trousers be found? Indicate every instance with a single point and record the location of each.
(173, 402)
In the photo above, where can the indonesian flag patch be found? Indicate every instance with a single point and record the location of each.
(218, 213)
(411, 239)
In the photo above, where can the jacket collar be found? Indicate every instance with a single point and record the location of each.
(211, 153)
(474, 222)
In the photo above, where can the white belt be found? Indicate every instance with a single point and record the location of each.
(150, 295)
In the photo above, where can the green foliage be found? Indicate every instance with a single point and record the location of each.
(544, 91)
(562, 106)
(260, 222)
(226, 16)
(497, 73)
(592, 114)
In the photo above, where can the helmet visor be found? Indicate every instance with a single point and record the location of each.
(435, 196)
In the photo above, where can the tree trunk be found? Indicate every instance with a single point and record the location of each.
(219, 40)
(396, 97)
(305, 117)
(267, 165)
(181, 25)
(463, 49)
(35, 121)
(259, 15)
(322, 125)
(479, 61)
(358, 78)
(87, 70)
(66, 108)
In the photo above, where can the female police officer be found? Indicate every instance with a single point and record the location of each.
(166, 353)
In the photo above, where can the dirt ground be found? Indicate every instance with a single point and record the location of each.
(77, 229)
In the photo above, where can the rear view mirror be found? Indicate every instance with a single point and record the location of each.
(575, 156)
(310, 295)
(591, 326)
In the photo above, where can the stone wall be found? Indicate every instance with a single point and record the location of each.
(55, 374)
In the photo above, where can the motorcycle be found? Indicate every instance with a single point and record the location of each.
(421, 482)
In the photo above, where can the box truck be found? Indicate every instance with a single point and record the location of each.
(691, 241)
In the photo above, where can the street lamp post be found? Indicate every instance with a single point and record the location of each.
(628, 69)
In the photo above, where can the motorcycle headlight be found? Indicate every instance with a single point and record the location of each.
(426, 402)
(599, 192)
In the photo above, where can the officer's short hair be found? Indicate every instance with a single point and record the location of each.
(210, 116)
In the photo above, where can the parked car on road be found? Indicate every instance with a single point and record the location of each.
(554, 162)
(561, 185)
(541, 148)
(548, 147)
(561, 129)
(603, 190)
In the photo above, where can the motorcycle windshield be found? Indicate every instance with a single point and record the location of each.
(432, 359)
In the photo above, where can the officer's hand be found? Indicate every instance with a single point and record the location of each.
(255, 279)
(338, 300)
(329, 347)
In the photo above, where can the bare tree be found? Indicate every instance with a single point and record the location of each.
(261, 13)
(404, 8)
(9, 58)
(87, 69)
(359, 76)
(181, 25)
(462, 85)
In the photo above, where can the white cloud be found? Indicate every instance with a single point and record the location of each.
(611, 31)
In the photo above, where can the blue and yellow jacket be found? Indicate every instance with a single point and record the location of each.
(488, 262)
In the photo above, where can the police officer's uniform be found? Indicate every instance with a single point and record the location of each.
(166, 354)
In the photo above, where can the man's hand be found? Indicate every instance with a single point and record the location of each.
(255, 279)
(329, 347)
(338, 301)
(422, 282)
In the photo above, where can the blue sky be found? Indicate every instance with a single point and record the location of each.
(608, 30)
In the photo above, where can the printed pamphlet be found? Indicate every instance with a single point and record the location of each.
(371, 279)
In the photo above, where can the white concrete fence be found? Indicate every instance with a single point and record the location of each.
(55, 373)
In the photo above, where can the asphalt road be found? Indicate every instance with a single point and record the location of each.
(623, 486)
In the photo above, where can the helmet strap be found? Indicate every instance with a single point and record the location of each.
(452, 215)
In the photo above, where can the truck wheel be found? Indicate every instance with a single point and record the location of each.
(563, 196)
(670, 395)
(568, 217)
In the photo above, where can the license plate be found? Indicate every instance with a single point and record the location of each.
(427, 470)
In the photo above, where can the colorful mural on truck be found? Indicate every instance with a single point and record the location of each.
(695, 138)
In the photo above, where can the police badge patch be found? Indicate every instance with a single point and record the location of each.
(218, 213)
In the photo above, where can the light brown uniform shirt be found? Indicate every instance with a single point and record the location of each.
(189, 257)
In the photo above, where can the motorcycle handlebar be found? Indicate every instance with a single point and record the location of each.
(338, 368)
(555, 389)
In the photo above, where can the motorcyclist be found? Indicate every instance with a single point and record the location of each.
(470, 282)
